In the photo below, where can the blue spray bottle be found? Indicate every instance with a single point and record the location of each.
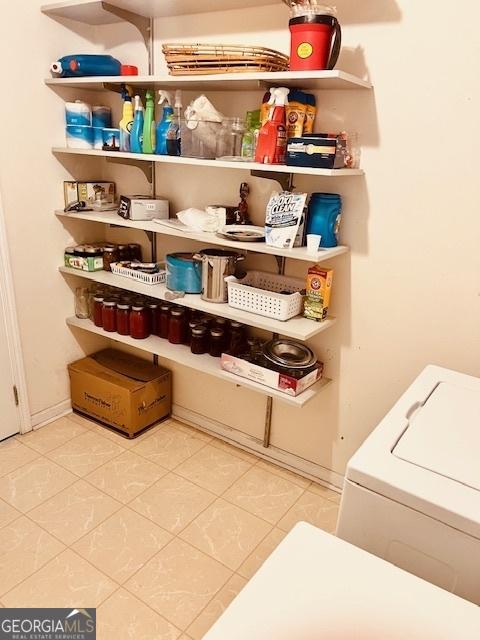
(136, 135)
(164, 124)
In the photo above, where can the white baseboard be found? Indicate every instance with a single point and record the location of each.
(289, 461)
(46, 416)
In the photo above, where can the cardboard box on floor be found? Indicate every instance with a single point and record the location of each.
(120, 390)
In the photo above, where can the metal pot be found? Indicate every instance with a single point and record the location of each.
(217, 264)
(289, 354)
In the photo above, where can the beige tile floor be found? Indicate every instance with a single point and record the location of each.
(159, 533)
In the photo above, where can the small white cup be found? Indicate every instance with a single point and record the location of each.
(313, 243)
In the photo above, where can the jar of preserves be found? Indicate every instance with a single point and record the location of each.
(110, 255)
(199, 340)
(109, 315)
(217, 342)
(139, 322)
(123, 319)
(164, 320)
(97, 310)
(123, 253)
(177, 326)
(153, 309)
(135, 252)
(238, 339)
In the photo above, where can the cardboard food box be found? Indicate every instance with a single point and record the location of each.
(269, 378)
(120, 390)
(83, 264)
(317, 150)
(318, 292)
(88, 192)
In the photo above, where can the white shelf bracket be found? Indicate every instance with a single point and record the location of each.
(143, 24)
(146, 167)
(285, 180)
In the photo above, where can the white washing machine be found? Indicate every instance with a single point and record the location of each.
(412, 490)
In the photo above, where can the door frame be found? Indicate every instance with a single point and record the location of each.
(7, 293)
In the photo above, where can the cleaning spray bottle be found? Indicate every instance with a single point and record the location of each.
(126, 122)
(272, 139)
(174, 141)
(148, 144)
(164, 124)
(136, 135)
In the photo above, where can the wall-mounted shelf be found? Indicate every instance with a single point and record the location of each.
(205, 363)
(206, 239)
(307, 80)
(214, 164)
(95, 12)
(299, 328)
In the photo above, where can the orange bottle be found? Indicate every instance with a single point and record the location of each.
(272, 139)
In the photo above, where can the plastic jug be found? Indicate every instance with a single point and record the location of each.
(324, 216)
(76, 66)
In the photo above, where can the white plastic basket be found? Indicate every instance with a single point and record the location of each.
(259, 292)
(133, 274)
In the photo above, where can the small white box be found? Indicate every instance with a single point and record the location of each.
(143, 208)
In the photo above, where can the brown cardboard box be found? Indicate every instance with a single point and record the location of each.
(120, 390)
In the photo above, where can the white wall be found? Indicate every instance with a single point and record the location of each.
(406, 296)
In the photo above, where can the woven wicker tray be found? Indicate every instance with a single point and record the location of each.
(205, 59)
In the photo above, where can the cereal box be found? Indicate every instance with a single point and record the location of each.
(319, 288)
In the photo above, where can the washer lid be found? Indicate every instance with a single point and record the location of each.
(443, 435)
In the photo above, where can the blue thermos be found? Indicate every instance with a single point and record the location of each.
(324, 215)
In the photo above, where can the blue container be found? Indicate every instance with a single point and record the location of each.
(101, 117)
(97, 137)
(81, 65)
(79, 137)
(324, 216)
(184, 273)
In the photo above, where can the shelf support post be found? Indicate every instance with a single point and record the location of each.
(268, 423)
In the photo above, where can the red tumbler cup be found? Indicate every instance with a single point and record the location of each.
(315, 42)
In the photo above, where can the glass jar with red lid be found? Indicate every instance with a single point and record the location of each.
(199, 340)
(123, 319)
(109, 315)
(139, 322)
(164, 320)
(177, 327)
(97, 310)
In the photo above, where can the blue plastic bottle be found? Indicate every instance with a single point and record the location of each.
(164, 124)
(324, 216)
(77, 66)
(136, 134)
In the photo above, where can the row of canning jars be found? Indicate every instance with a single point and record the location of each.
(140, 317)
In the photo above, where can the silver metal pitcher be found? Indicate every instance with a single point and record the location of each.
(217, 264)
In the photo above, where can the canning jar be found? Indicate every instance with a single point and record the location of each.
(199, 340)
(123, 253)
(153, 309)
(110, 255)
(164, 321)
(82, 303)
(139, 322)
(97, 310)
(123, 319)
(109, 315)
(177, 327)
(238, 339)
(217, 342)
(135, 251)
